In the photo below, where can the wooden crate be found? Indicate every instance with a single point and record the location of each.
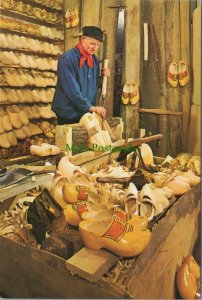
(26, 272)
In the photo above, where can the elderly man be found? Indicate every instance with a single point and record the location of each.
(78, 73)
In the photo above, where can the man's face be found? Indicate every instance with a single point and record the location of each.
(89, 44)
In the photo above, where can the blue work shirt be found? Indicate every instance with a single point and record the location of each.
(76, 89)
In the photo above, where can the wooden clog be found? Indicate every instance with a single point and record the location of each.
(117, 236)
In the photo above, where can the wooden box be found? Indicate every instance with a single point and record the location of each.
(27, 272)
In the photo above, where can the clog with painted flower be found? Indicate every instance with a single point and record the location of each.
(125, 94)
(106, 215)
(187, 283)
(134, 93)
(183, 73)
(117, 236)
(75, 192)
(173, 74)
(73, 212)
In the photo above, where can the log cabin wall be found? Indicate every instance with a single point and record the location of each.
(172, 22)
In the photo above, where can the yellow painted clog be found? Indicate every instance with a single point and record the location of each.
(194, 267)
(106, 215)
(73, 212)
(134, 93)
(73, 193)
(125, 94)
(117, 236)
(172, 76)
(183, 73)
(187, 283)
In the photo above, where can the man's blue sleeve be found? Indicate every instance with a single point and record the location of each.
(70, 86)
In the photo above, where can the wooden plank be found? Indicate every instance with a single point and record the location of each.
(172, 240)
(194, 130)
(159, 111)
(132, 62)
(196, 56)
(63, 137)
(27, 272)
(70, 41)
(154, 13)
(90, 264)
(185, 56)
(24, 185)
(109, 24)
(91, 13)
(173, 95)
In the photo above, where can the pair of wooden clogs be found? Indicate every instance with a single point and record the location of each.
(178, 72)
(130, 93)
(71, 17)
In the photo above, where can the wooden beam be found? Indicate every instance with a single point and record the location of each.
(159, 111)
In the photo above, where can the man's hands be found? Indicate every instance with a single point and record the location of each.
(101, 111)
(106, 72)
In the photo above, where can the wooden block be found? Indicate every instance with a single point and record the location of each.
(90, 264)
(63, 136)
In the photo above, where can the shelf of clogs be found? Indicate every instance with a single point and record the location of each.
(23, 24)
(40, 38)
(30, 18)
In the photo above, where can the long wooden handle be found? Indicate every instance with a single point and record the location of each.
(146, 42)
(104, 82)
(138, 142)
(113, 180)
(36, 169)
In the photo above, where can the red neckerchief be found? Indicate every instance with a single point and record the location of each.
(85, 57)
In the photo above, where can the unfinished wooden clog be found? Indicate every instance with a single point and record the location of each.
(3, 96)
(44, 150)
(14, 117)
(34, 129)
(67, 18)
(147, 154)
(1, 127)
(4, 143)
(5, 120)
(12, 138)
(67, 169)
(74, 18)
